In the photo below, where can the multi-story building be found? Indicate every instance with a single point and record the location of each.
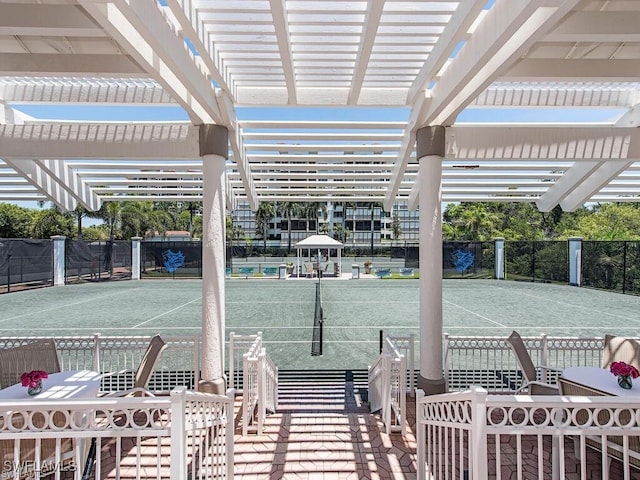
(355, 223)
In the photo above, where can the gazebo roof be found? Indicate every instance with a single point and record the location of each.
(319, 241)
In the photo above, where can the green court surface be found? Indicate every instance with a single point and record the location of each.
(354, 313)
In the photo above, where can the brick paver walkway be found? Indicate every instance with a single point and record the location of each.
(325, 431)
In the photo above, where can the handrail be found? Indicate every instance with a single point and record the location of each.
(406, 345)
(388, 387)
(259, 387)
(238, 346)
(475, 432)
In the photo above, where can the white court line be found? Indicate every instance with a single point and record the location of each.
(567, 304)
(164, 313)
(92, 299)
(473, 313)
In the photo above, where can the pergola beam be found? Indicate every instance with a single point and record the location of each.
(100, 141)
(143, 31)
(43, 182)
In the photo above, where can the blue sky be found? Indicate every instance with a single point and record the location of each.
(170, 113)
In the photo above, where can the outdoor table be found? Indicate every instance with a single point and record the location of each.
(72, 384)
(68, 385)
(600, 379)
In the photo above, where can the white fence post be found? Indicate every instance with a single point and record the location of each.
(445, 360)
(544, 357)
(478, 434)
(96, 352)
(178, 467)
(420, 437)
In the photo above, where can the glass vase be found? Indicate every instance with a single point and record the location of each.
(35, 390)
(625, 381)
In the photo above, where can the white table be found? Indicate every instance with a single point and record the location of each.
(72, 384)
(69, 385)
(600, 379)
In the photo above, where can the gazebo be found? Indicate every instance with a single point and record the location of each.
(318, 243)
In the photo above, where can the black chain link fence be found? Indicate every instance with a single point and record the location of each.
(25, 263)
(177, 259)
(611, 265)
(87, 261)
(537, 261)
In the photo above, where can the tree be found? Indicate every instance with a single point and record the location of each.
(288, 210)
(264, 215)
(395, 226)
(609, 221)
(110, 213)
(192, 208)
(315, 210)
(15, 221)
(52, 221)
(141, 219)
(81, 212)
(340, 233)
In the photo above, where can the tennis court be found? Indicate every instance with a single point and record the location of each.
(354, 313)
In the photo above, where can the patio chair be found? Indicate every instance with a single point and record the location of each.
(620, 349)
(309, 270)
(38, 355)
(144, 371)
(529, 370)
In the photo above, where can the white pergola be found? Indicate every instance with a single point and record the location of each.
(362, 78)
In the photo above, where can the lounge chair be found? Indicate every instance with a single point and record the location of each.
(529, 370)
(383, 272)
(270, 271)
(246, 271)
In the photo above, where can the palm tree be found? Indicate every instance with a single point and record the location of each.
(288, 210)
(192, 208)
(110, 213)
(315, 210)
(266, 212)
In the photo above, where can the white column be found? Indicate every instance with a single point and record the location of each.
(213, 148)
(59, 265)
(499, 254)
(575, 261)
(430, 149)
(213, 291)
(135, 258)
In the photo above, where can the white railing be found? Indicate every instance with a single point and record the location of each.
(238, 346)
(259, 388)
(489, 361)
(184, 435)
(120, 356)
(388, 387)
(406, 346)
(478, 436)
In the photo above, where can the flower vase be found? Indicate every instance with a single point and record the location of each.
(35, 390)
(625, 381)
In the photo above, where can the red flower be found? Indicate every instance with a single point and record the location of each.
(32, 378)
(622, 368)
